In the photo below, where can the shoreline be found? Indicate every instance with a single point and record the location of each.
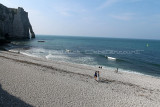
(84, 66)
(16, 48)
(91, 67)
(94, 66)
(30, 73)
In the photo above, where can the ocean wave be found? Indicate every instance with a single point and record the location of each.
(158, 65)
(12, 50)
(37, 50)
(84, 60)
(123, 60)
(120, 60)
(110, 58)
(59, 57)
(152, 64)
(56, 52)
(124, 70)
(28, 54)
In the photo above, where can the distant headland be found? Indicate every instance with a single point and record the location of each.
(14, 24)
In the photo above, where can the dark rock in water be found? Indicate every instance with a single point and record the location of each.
(2, 42)
(41, 41)
(14, 24)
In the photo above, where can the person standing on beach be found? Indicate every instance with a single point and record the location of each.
(116, 70)
(95, 76)
(100, 67)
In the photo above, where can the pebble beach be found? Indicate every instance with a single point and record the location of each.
(29, 81)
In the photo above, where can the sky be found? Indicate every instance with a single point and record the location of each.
(100, 18)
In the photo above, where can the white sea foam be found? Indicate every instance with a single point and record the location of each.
(37, 50)
(123, 70)
(12, 50)
(28, 54)
(57, 57)
(86, 60)
(111, 58)
(130, 71)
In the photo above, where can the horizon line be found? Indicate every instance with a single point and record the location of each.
(97, 37)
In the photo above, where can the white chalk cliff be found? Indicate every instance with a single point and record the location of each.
(14, 24)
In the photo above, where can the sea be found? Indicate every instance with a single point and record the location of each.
(128, 55)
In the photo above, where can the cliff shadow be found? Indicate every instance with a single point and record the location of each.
(7, 100)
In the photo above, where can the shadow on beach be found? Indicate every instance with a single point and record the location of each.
(103, 80)
(7, 100)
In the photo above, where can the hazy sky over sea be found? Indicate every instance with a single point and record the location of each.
(108, 18)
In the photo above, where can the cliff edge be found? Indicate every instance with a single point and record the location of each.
(14, 24)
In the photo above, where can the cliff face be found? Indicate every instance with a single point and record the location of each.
(14, 24)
